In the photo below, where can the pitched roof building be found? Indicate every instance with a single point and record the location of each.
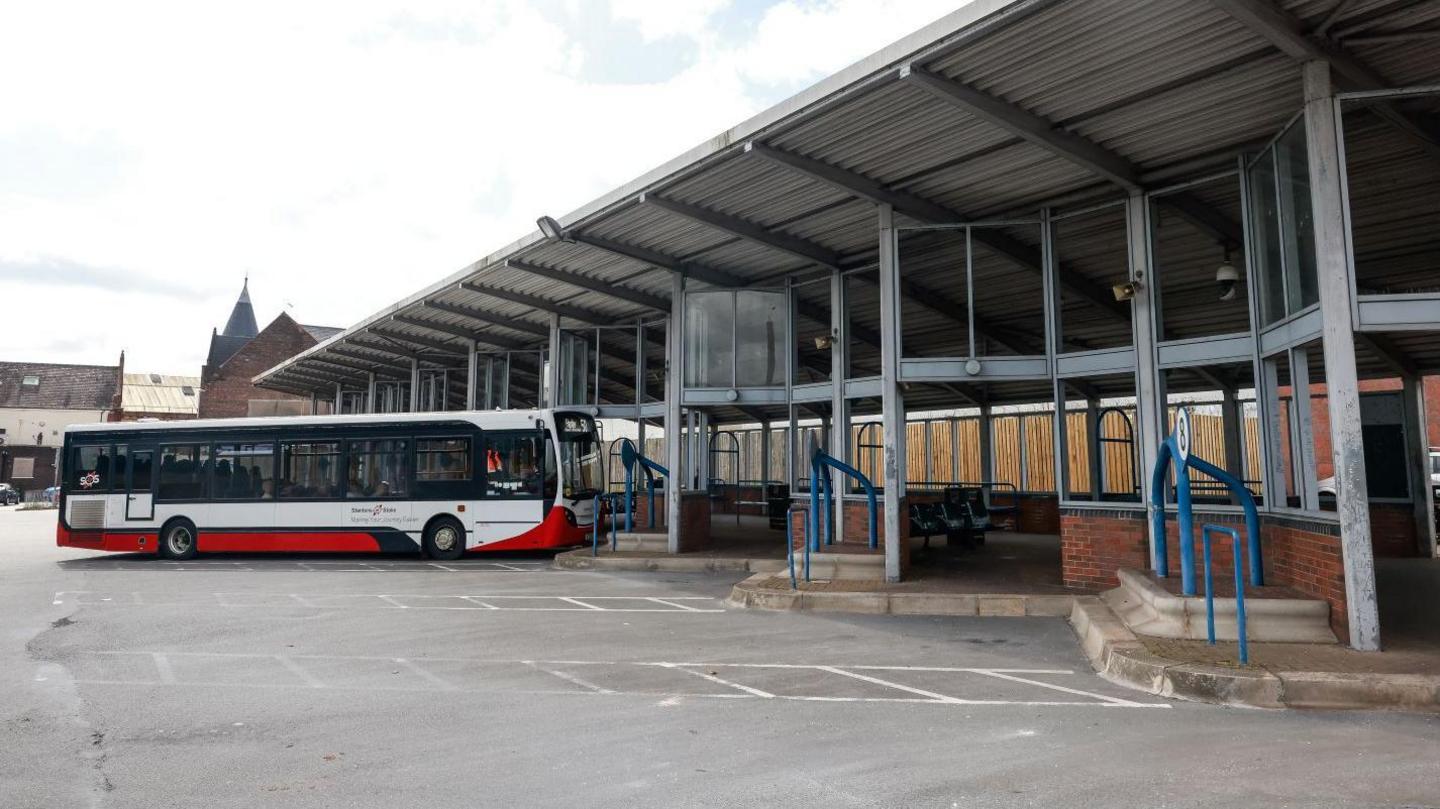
(38, 400)
(241, 351)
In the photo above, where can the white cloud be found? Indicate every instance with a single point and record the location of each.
(344, 154)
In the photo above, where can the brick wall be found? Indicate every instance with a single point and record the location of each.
(1094, 543)
(1298, 552)
(42, 475)
(854, 536)
(694, 522)
(1392, 530)
(1038, 514)
(226, 391)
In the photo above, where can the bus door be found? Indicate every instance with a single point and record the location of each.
(139, 484)
(513, 466)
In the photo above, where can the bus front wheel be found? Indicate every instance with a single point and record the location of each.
(444, 540)
(177, 540)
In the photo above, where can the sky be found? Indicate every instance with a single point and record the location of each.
(346, 154)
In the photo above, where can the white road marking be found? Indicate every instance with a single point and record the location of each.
(672, 604)
(429, 676)
(389, 601)
(734, 690)
(714, 679)
(578, 602)
(568, 677)
(897, 686)
(162, 666)
(474, 600)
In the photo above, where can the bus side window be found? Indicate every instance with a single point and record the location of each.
(513, 464)
(89, 470)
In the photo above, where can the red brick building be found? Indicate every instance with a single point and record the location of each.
(241, 351)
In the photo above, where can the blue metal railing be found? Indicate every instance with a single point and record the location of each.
(1171, 455)
(629, 457)
(818, 459)
(1206, 532)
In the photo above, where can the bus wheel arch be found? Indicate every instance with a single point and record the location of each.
(443, 538)
(179, 539)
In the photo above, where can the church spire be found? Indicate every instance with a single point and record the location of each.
(242, 317)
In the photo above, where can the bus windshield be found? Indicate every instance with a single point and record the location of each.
(581, 470)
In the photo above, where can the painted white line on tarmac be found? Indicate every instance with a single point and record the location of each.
(1053, 687)
(714, 679)
(309, 679)
(897, 686)
(390, 601)
(428, 676)
(568, 677)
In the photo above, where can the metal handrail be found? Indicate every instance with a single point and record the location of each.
(1206, 531)
(629, 456)
(820, 458)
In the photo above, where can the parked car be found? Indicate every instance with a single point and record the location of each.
(52, 494)
(9, 495)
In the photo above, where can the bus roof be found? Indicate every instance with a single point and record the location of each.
(481, 418)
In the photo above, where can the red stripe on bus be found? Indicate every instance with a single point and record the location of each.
(120, 541)
(275, 541)
(554, 532)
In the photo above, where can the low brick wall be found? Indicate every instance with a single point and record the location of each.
(1094, 543)
(1298, 552)
(854, 534)
(694, 522)
(1392, 530)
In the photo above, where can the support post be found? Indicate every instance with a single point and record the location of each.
(1422, 492)
(674, 385)
(370, 392)
(1302, 431)
(987, 445)
(552, 373)
(472, 375)
(1093, 450)
(1232, 417)
(839, 405)
(892, 401)
(314, 404)
(414, 386)
(1149, 398)
(1334, 276)
(339, 397)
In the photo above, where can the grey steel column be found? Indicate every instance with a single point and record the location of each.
(674, 386)
(1150, 399)
(552, 374)
(1053, 333)
(414, 386)
(370, 392)
(792, 441)
(1333, 269)
(339, 397)
(1092, 451)
(472, 375)
(1421, 492)
(839, 405)
(1232, 419)
(987, 446)
(314, 403)
(764, 456)
(703, 437)
(1302, 431)
(1268, 400)
(892, 400)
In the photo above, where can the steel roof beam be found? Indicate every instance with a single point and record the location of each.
(1025, 124)
(362, 365)
(1287, 32)
(408, 340)
(488, 318)
(593, 285)
(745, 229)
(654, 258)
(1387, 352)
(456, 331)
(926, 211)
(571, 311)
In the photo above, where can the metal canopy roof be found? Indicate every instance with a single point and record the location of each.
(993, 111)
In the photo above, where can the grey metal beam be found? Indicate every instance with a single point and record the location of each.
(802, 249)
(644, 255)
(1027, 125)
(405, 340)
(1389, 353)
(636, 297)
(924, 210)
(487, 317)
(1210, 221)
(347, 366)
(571, 311)
(456, 331)
(1287, 32)
(361, 364)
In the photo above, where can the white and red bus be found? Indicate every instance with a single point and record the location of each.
(442, 483)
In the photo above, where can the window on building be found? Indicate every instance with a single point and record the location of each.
(513, 464)
(442, 459)
(244, 471)
(183, 471)
(30, 381)
(89, 470)
(23, 469)
(377, 469)
(187, 390)
(310, 470)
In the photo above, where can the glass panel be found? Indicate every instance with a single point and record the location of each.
(442, 459)
(183, 470)
(759, 324)
(513, 464)
(1297, 226)
(709, 331)
(89, 470)
(140, 470)
(310, 470)
(244, 471)
(1265, 230)
(377, 469)
(580, 460)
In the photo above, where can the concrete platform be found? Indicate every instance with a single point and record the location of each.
(1149, 609)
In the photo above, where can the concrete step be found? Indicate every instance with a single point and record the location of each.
(649, 541)
(1149, 609)
(847, 566)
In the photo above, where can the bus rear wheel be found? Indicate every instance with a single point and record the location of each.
(444, 540)
(177, 540)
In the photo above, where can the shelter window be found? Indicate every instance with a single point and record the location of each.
(732, 338)
(1283, 226)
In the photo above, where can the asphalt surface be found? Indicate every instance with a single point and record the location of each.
(391, 682)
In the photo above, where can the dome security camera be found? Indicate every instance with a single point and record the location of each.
(1228, 279)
